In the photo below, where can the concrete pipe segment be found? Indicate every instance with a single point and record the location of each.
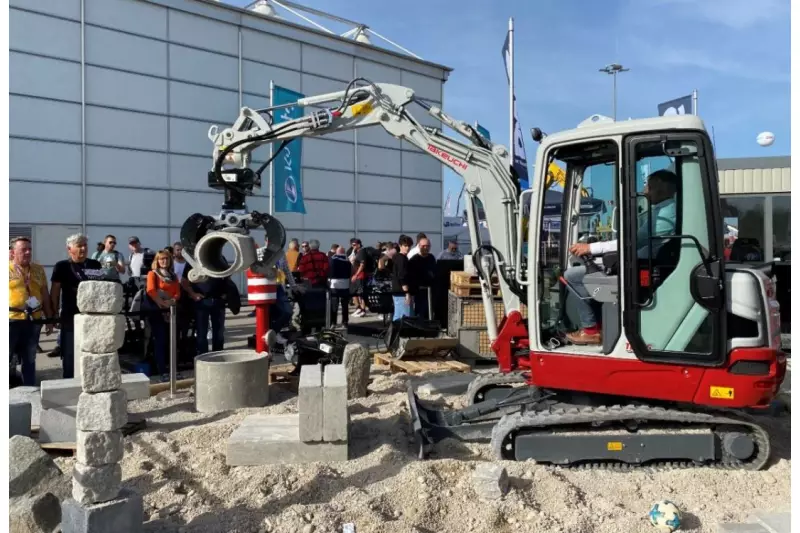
(208, 253)
(230, 379)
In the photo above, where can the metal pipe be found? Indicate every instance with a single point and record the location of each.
(173, 350)
(271, 153)
(430, 303)
(328, 310)
(83, 116)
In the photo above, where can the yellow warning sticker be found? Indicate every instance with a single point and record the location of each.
(615, 446)
(362, 108)
(723, 393)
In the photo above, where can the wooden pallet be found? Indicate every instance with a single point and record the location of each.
(465, 278)
(419, 366)
(472, 289)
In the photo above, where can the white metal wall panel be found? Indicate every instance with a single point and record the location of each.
(55, 203)
(381, 161)
(418, 192)
(50, 243)
(335, 216)
(203, 103)
(378, 189)
(328, 185)
(109, 205)
(256, 78)
(203, 33)
(114, 88)
(44, 77)
(189, 137)
(143, 18)
(27, 115)
(421, 166)
(327, 63)
(44, 161)
(70, 9)
(189, 172)
(377, 136)
(379, 217)
(424, 87)
(120, 167)
(320, 153)
(254, 102)
(270, 49)
(125, 129)
(755, 181)
(326, 238)
(40, 34)
(185, 204)
(189, 64)
(126, 52)
(372, 238)
(416, 219)
(377, 73)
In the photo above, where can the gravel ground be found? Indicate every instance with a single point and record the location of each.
(178, 464)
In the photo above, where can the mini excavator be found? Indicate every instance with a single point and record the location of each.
(690, 345)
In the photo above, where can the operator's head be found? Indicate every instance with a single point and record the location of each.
(110, 242)
(22, 250)
(661, 185)
(77, 247)
(452, 245)
(420, 236)
(314, 245)
(162, 261)
(134, 244)
(424, 246)
(405, 243)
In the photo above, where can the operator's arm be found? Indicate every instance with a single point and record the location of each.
(603, 247)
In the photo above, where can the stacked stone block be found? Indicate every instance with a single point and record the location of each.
(101, 411)
(318, 432)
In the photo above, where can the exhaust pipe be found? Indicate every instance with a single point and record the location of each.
(211, 262)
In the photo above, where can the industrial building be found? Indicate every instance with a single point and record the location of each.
(111, 102)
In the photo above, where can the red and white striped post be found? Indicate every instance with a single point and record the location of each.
(261, 292)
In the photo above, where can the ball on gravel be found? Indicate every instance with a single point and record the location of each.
(665, 516)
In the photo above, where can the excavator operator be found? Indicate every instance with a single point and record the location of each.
(660, 190)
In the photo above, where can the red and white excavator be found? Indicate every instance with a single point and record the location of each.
(687, 344)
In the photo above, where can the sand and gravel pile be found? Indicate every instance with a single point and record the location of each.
(178, 464)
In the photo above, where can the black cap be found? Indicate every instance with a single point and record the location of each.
(133, 240)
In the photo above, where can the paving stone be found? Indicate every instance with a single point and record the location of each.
(275, 439)
(36, 514)
(774, 522)
(334, 404)
(125, 514)
(58, 424)
(29, 466)
(455, 384)
(32, 395)
(104, 411)
(490, 481)
(97, 448)
(100, 372)
(357, 362)
(740, 528)
(65, 392)
(99, 333)
(96, 484)
(100, 297)
(310, 403)
(19, 419)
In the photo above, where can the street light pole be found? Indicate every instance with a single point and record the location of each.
(613, 69)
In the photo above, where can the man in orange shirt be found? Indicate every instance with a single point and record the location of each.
(28, 297)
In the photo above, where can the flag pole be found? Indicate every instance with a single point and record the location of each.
(271, 148)
(694, 102)
(511, 87)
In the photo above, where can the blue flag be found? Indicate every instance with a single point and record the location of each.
(287, 185)
(483, 131)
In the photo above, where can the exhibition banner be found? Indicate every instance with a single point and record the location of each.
(287, 182)
(678, 106)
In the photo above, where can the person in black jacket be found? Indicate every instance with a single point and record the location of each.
(209, 298)
(402, 288)
(423, 274)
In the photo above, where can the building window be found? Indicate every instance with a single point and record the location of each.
(781, 227)
(744, 228)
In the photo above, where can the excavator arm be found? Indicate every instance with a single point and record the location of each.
(484, 167)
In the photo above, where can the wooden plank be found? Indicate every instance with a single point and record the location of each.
(471, 290)
(158, 388)
(419, 366)
(69, 448)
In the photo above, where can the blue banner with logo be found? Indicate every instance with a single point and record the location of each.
(287, 182)
(483, 131)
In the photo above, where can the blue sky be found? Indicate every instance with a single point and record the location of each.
(734, 52)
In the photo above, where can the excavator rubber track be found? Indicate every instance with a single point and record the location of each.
(673, 431)
(500, 381)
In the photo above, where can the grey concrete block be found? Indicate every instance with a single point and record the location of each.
(490, 481)
(98, 448)
(275, 439)
(19, 419)
(100, 297)
(125, 514)
(99, 333)
(357, 362)
(32, 395)
(774, 522)
(58, 424)
(310, 403)
(334, 404)
(29, 466)
(100, 372)
(740, 528)
(96, 484)
(455, 384)
(36, 514)
(104, 411)
(65, 392)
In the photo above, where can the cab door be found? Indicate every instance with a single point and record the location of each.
(674, 273)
